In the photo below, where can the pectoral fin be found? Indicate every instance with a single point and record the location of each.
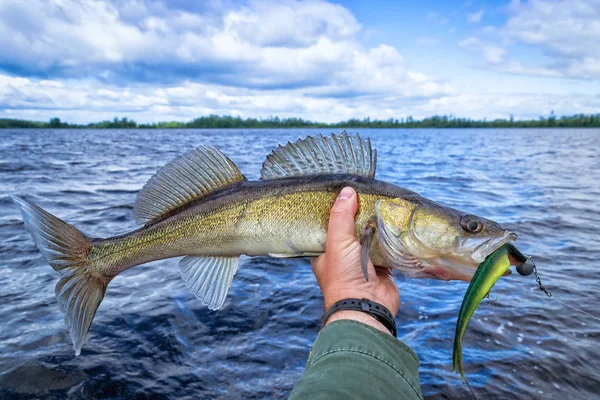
(366, 239)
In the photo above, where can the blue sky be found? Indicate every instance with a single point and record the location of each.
(156, 60)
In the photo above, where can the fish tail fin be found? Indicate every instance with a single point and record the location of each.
(79, 290)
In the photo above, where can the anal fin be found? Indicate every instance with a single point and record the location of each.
(209, 278)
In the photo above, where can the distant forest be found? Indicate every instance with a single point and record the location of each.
(217, 122)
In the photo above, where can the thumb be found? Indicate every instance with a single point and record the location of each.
(341, 218)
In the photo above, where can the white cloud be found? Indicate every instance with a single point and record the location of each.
(521, 105)
(79, 101)
(475, 17)
(292, 24)
(492, 54)
(516, 67)
(266, 44)
(567, 32)
(90, 101)
(149, 60)
(254, 58)
(471, 43)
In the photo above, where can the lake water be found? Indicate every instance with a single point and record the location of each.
(151, 338)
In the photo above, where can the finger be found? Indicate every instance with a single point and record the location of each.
(341, 218)
(315, 265)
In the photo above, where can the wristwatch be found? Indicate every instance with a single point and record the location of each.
(375, 310)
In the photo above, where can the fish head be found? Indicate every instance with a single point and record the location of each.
(426, 239)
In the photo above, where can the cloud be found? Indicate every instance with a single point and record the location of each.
(521, 105)
(154, 60)
(287, 41)
(475, 17)
(279, 57)
(567, 32)
(292, 24)
(84, 101)
(264, 45)
(492, 54)
(516, 67)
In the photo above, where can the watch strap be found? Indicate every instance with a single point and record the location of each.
(375, 310)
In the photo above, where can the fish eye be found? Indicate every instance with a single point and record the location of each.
(471, 223)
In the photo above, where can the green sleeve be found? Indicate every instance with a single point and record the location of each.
(351, 360)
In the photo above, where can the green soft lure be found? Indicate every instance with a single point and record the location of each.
(486, 275)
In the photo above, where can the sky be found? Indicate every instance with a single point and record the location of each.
(159, 60)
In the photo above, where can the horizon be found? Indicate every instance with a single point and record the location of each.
(321, 61)
(228, 121)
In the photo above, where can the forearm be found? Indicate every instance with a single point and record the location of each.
(360, 317)
(351, 359)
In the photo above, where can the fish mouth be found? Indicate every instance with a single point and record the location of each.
(489, 246)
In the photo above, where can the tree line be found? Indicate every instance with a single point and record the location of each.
(226, 121)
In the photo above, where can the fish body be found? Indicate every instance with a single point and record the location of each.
(285, 217)
(201, 207)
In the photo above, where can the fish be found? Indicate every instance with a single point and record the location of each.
(202, 208)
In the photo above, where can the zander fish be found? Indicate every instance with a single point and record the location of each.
(201, 207)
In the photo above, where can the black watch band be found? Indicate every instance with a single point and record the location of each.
(375, 310)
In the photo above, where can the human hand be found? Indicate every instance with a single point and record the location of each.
(338, 270)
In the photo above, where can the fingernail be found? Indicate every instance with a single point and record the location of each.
(345, 194)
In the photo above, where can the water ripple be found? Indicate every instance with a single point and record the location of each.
(152, 338)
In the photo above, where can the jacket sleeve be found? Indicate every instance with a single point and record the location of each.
(351, 360)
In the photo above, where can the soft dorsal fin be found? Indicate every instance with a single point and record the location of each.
(335, 154)
(188, 177)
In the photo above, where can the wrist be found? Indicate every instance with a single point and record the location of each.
(360, 317)
(333, 296)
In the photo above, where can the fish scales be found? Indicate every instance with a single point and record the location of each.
(253, 218)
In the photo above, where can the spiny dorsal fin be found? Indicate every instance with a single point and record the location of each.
(335, 154)
(188, 177)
